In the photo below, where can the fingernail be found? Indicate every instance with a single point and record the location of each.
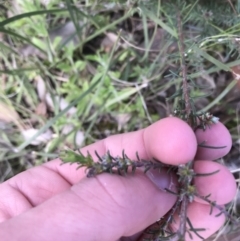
(160, 178)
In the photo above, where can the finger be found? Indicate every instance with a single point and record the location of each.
(201, 218)
(222, 185)
(29, 189)
(217, 135)
(162, 140)
(159, 140)
(121, 205)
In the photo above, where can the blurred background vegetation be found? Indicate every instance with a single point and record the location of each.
(74, 72)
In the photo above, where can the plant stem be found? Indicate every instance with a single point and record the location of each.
(183, 218)
(188, 110)
(185, 86)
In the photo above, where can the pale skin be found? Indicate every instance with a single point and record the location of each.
(56, 202)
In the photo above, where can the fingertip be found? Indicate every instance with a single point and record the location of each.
(221, 185)
(203, 217)
(171, 141)
(217, 135)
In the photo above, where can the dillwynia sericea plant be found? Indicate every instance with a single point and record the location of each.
(187, 191)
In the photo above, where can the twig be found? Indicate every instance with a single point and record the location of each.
(185, 86)
(183, 218)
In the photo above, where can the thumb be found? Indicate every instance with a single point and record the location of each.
(105, 208)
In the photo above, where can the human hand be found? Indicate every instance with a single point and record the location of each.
(56, 202)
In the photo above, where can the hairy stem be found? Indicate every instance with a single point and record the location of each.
(183, 218)
(185, 86)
